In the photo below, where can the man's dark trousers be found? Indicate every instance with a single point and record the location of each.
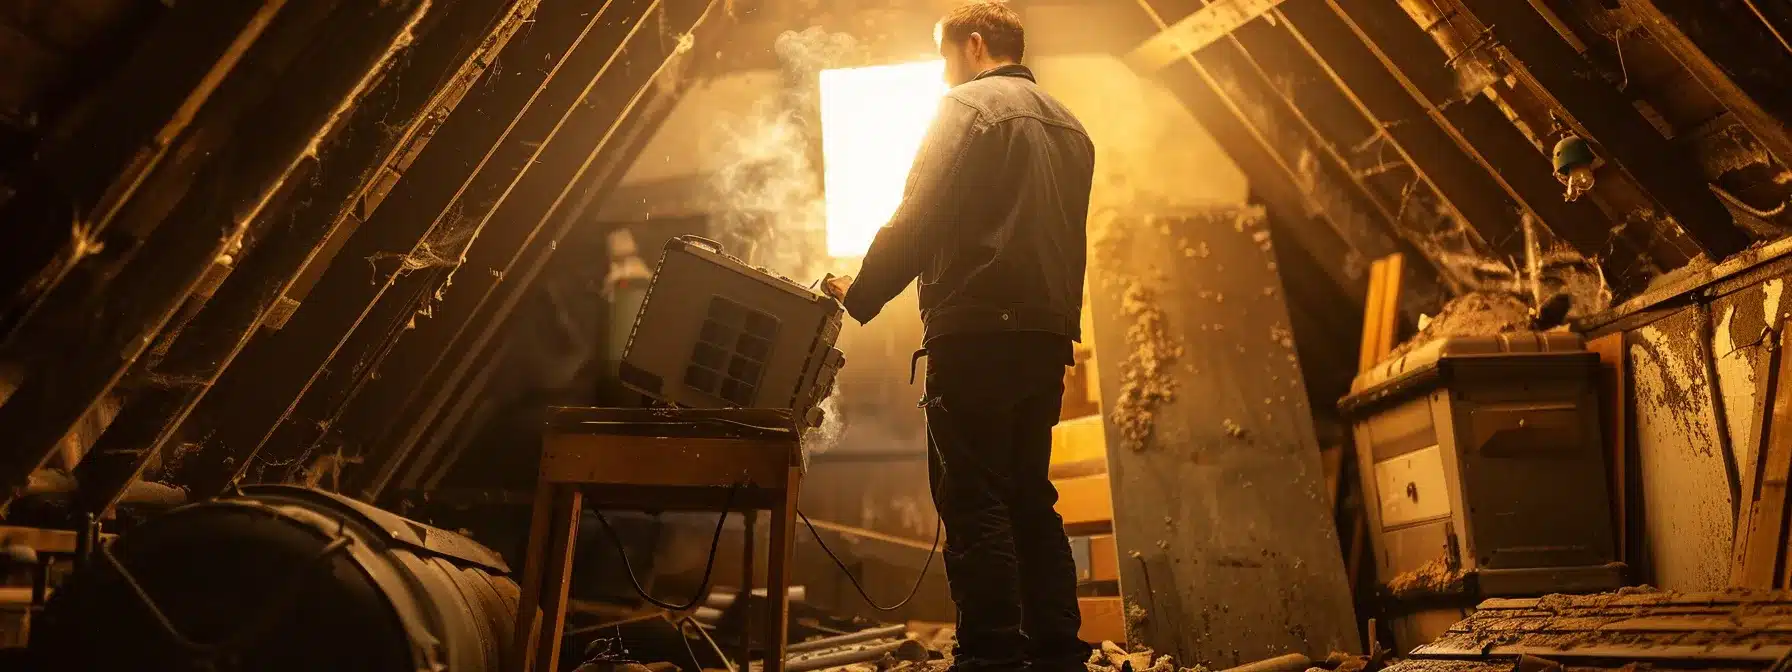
(992, 399)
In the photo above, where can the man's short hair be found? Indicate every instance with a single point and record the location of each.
(999, 26)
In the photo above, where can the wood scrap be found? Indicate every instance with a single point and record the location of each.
(1764, 557)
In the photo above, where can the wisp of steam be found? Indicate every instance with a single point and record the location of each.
(767, 195)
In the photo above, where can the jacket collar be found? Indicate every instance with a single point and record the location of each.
(1010, 70)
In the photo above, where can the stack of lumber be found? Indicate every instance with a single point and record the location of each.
(1079, 471)
(1730, 630)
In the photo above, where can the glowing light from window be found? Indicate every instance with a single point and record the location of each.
(872, 121)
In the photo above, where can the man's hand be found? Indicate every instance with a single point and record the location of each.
(836, 286)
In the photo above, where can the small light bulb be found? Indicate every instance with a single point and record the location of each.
(1578, 180)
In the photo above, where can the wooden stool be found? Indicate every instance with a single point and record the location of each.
(734, 460)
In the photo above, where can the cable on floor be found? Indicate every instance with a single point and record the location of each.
(715, 544)
(938, 527)
(678, 624)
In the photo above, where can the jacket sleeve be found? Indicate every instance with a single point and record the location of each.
(922, 223)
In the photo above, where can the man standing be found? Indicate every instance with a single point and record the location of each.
(992, 222)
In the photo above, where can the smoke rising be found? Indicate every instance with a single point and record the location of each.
(767, 191)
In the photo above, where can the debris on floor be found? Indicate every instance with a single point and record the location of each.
(1432, 579)
(879, 649)
(1110, 657)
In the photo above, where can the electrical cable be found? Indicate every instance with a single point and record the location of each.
(713, 646)
(715, 544)
(256, 626)
(685, 640)
(938, 527)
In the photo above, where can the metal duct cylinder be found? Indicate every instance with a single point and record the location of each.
(282, 578)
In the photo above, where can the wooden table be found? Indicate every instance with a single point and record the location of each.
(723, 460)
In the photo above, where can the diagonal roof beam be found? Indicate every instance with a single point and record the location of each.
(1194, 32)
(316, 65)
(1324, 207)
(455, 46)
(1620, 133)
(1412, 66)
(509, 126)
(1741, 63)
(1363, 86)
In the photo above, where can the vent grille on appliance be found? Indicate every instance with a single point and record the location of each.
(729, 357)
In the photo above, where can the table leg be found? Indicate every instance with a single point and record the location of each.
(777, 575)
(558, 574)
(750, 521)
(541, 613)
(528, 613)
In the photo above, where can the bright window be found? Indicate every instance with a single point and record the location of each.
(872, 120)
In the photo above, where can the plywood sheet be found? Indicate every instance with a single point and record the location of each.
(1684, 495)
(1217, 483)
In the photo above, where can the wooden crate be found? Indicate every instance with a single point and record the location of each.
(1104, 619)
(1085, 503)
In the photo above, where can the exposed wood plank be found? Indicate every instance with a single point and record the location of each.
(1614, 427)
(458, 180)
(1326, 218)
(1104, 619)
(1104, 558)
(1704, 37)
(1737, 626)
(1639, 652)
(1387, 326)
(418, 382)
(1084, 500)
(1079, 469)
(1619, 132)
(1077, 401)
(1463, 182)
(1380, 326)
(1765, 554)
(85, 341)
(11, 596)
(43, 540)
(1670, 623)
(1624, 601)
(1767, 377)
(1477, 126)
(97, 159)
(1727, 612)
(1078, 440)
(1196, 31)
(1370, 353)
(455, 46)
(1316, 127)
